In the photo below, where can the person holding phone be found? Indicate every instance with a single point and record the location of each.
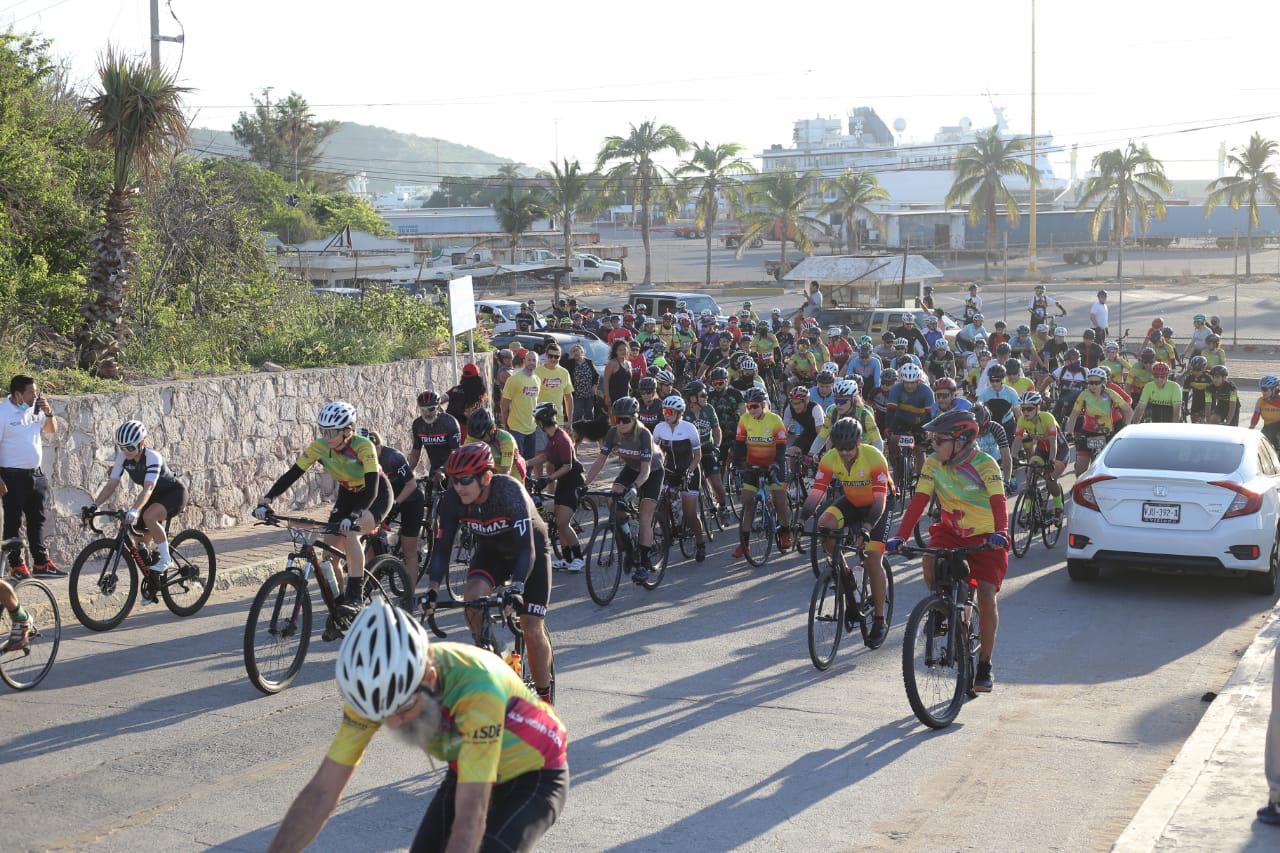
(25, 418)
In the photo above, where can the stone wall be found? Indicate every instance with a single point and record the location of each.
(228, 438)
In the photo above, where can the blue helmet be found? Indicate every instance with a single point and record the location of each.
(1269, 382)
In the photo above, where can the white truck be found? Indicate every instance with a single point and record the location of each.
(583, 267)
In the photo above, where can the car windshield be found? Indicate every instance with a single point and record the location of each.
(1174, 454)
(597, 351)
(698, 304)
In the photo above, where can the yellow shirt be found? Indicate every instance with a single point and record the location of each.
(556, 384)
(1021, 384)
(521, 393)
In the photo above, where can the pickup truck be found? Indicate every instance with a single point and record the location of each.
(660, 302)
(584, 267)
(733, 239)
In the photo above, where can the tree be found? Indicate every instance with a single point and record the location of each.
(632, 157)
(779, 201)
(980, 170)
(854, 192)
(1253, 178)
(137, 117)
(285, 137)
(517, 212)
(1129, 183)
(712, 174)
(570, 193)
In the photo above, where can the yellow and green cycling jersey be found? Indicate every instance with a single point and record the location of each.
(1119, 369)
(863, 414)
(1020, 385)
(504, 452)
(1166, 353)
(964, 491)
(1215, 356)
(1042, 429)
(348, 466)
(765, 344)
(804, 364)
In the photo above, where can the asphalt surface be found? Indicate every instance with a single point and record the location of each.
(696, 722)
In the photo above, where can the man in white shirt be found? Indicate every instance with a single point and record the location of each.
(25, 417)
(1098, 316)
(812, 302)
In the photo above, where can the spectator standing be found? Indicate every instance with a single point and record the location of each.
(1099, 314)
(1270, 813)
(25, 417)
(519, 396)
(812, 302)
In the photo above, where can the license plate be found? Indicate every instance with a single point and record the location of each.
(1158, 513)
(906, 441)
(1096, 442)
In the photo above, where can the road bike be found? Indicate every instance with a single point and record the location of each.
(105, 577)
(1033, 512)
(940, 643)
(671, 509)
(493, 613)
(797, 484)
(25, 667)
(617, 548)
(277, 632)
(584, 522)
(762, 524)
(731, 476)
(455, 573)
(842, 593)
(904, 468)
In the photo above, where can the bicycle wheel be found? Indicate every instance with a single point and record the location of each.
(934, 675)
(826, 620)
(818, 557)
(586, 518)
(455, 573)
(277, 632)
(392, 581)
(188, 585)
(103, 585)
(24, 668)
(797, 494)
(763, 528)
(1050, 522)
(463, 546)
(1022, 524)
(868, 603)
(733, 491)
(604, 567)
(683, 535)
(661, 552)
(707, 516)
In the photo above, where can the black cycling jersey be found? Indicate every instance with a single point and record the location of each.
(396, 467)
(1051, 354)
(650, 414)
(942, 362)
(727, 404)
(802, 428)
(149, 467)
(705, 421)
(678, 444)
(504, 521)
(438, 438)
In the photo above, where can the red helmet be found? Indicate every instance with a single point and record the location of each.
(469, 460)
(1159, 369)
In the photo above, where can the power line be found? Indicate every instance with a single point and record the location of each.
(38, 11)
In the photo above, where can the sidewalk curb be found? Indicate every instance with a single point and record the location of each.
(1197, 755)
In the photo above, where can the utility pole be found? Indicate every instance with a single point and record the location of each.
(156, 38)
(1032, 269)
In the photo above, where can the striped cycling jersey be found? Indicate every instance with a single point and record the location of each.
(348, 465)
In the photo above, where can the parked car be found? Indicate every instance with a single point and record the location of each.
(596, 349)
(662, 301)
(1179, 498)
(503, 312)
(876, 321)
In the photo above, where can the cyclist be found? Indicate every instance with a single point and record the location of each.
(840, 348)
(1195, 388)
(916, 342)
(970, 493)
(824, 391)
(507, 776)
(993, 440)
(566, 472)
(803, 418)
(748, 377)
(1199, 341)
(703, 415)
(1070, 378)
(1152, 336)
(1092, 416)
(1021, 345)
(746, 306)
(1000, 399)
(861, 474)
(1015, 378)
(506, 455)
(162, 496)
(1267, 410)
(879, 398)
(1224, 401)
(364, 494)
(1161, 395)
(909, 406)
(945, 398)
(803, 364)
(728, 403)
(682, 461)
(666, 383)
(641, 474)
(968, 338)
(942, 361)
(407, 501)
(1038, 433)
(972, 304)
(1166, 351)
(1118, 367)
(976, 373)
(886, 352)
(849, 404)
(1040, 304)
(932, 334)
(511, 546)
(437, 432)
(865, 365)
(901, 354)
(1091, 354)
(1140, 374)
(760, 446)
(650, 412)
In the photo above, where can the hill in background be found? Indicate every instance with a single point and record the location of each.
(388, 157)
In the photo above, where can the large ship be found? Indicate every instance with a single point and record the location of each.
(915, 174)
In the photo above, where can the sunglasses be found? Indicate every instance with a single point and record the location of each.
(670, 412)
(754, 407)
(552, 357)
(1095, 382)
(625, 420)
(943, 395)
(843, 400)
(428, 408)
(332, 433)
(129, 448)
(1030, 408)
(465, 481)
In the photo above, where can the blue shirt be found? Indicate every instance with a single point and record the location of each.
(1006, 396)
(869, 370)
(962, 404)
(974, 333)
(909, 410)
(933, 336)
(825, 402)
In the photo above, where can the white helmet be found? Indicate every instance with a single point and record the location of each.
(831, 367)
(666, 377)
(846, 388)
(900, 342)
(675, 401)
(336, 415)
(1042, 328)
(1060, 331)
(747, 364)
(909, 373)
(1097, 373)
(381, 661)
(130, 433)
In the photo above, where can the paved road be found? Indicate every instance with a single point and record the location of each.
(696, 721)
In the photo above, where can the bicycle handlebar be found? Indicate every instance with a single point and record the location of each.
(90, 521)
(493, 601)
(913, 551)
(273, 520)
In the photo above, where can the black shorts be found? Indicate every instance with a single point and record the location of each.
(348, 501)
(521, 810)
(652, 488)
(710, 463)
(173, 497)
(412, 513)
(860, 516)
(495, 567)
(569, 488)
(688, 482)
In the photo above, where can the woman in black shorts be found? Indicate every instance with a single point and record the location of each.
(566, 473)
(641, 471)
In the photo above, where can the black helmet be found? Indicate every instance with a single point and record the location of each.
(695, 388)
(888, 337)
(846, 434)
(1013, 367)
(647, 384)
(480, 423)
(1003, 350)
(982, 415)
(625, 407)
(1219, 370)
(1198, 362)
(718, 374)
(997, 371)
(755, 395)
(1088, 334)
(954, 424)
(1147, 356)
(1072, 354)
(544, 414)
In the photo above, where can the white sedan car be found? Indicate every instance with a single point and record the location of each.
(1181, 498)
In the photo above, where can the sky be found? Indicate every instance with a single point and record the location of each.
(535, 82)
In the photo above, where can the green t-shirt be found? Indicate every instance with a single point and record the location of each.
(1154, 395)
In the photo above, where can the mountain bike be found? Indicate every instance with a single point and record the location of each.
(842, 594)
(1033, 512)
(617, 547)
(26, 667)
(106, 575)
(940, 642)
(494, 613)
(277, 632)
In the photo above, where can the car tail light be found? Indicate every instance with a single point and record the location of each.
(1245, 552)
(1077, 540)
(1082, 492)
(1245, 502)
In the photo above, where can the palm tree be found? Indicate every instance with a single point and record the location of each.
(1129, 183)
(1252, 178)
(779, 201)
(517, 212)
(137, 117)
(979, 182)
(713, 174)
(632, 157)
(854, 192)
(570, 193)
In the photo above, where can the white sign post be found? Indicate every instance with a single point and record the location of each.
(462, 317)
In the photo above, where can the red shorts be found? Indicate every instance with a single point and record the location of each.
(989, 566)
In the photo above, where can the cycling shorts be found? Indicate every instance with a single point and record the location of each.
(989, 566)
(1272, 433)
(710, 463)
(751, 478)
(569, 488)
(847, 514)
(521, 810)
(1063, 454)
(686, 483)
(172, 497)
(348, 501)
(652, 488)
(494, 566)
(411, 513)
